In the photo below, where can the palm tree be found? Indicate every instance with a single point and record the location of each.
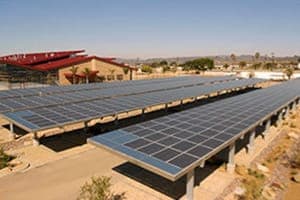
(233, 58)
(74, 71)
(257, 56)
(86, 73)
(242, 64)
(273, 60)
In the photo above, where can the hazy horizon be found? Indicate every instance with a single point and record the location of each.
(151, 29)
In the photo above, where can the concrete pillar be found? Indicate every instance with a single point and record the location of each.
(86, 128)
(250, 146)
(280, 118)
(12, 135)
(267, 127)
(35, 140)
(116, 122)
(190, 185)
(143, 113)
(231, 164)
(285, 113)
(181, 103)
(294, 106)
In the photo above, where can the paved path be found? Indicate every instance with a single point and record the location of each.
(57, 180)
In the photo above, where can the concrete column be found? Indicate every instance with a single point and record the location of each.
(231, 164)
(280, 118)
(190, 185)
(285, 113)
(12, 135)
(181, 103)
(143, 113)
(86, 128)
(35, 140)
(166, 107)
(267, 127)
(116, 122)
(250, 146)
(293, 106)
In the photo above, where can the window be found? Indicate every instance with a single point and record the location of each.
(120, 77)
(110, 77)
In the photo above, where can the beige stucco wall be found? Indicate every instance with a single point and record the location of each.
(95, 65)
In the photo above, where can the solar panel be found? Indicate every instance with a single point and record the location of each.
(88, 110)
(159, 84)
(174, 148)
(97, 91)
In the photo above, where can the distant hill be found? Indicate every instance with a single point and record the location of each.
(221, 59)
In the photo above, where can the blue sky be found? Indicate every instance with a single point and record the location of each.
(151, 28)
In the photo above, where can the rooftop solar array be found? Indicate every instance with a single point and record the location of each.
(21, 103)
(174, 144)
(163, 83)
(46, 117)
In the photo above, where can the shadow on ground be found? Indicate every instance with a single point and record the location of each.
(175, 190)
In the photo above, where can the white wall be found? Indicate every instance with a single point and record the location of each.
(269, 75)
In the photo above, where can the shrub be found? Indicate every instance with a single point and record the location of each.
(4, 159)
(98, 189)
(146, 69)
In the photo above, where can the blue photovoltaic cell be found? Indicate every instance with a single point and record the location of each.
(172, 149)
(87, 109)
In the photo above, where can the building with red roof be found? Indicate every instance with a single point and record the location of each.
(65, 67)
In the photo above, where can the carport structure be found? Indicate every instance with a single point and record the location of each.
(63, 109)
(174, 145)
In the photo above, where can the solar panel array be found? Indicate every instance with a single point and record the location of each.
(174, 144)
(46, 117)
(93, 92)
(164, 83)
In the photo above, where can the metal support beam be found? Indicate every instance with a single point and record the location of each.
(250, 146)
(231, 164)
(190, 185)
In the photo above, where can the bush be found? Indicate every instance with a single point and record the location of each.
(146, 69)
(98, 189)
(4, 159)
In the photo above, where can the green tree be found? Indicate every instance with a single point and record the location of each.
(74, 71)
(4, 159)
(289, 72)
(146, 69)
(225, 66)
(163, 63)
(255, 66)
(242, 64)
(201, 64)
(166, 68)
(257, 56)
(125, 70)
(268, 66)
(87, 73)
(174, 63)
(233, 58)
(98, 189)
